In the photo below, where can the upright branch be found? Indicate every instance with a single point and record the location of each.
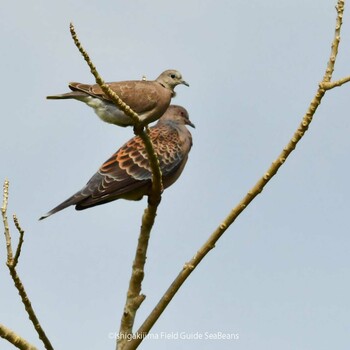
(335, 44)
(5, 221)
(325, 85)
(11, 263)
(105, 88)
(134, 296)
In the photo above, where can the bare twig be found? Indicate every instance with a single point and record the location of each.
(105, 88)
(336, 40)
(5, 220)
(11, 264)
(15, 339)
(257, 189)
(134, 296)
(20, 241)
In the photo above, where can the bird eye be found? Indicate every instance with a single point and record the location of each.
(173, 76)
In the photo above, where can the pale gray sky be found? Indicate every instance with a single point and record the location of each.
(280, 276)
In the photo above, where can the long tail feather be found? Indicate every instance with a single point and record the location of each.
(68, 95)
(75, 199)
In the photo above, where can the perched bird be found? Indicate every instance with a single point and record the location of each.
(127, 173)
(149, 99)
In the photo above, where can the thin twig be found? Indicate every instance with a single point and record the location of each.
(336, 40)
(242, 205)
(11, 264)
(134, 296)
(15, 339)
(20, 241)
(5, 220)
(105, 88)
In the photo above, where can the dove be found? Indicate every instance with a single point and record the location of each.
(149, 99)
(127, 173)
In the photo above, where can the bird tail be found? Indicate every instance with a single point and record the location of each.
(68, 95)
(75, 199)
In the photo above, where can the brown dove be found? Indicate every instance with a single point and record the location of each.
(149, 99)
(127, 174)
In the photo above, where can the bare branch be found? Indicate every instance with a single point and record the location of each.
(330, 85)
(257, 189)
(20, 241)
(28, 306)
(105, 88)
(5, 220)
(15, 339)
(11, 264)
(134, 296)
(336, 40)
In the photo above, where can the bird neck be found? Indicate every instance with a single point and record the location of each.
(173, 94)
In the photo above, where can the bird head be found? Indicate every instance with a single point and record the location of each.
(171, 78)
(178, 115)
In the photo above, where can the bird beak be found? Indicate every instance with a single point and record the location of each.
(188, 122)
(184, 83)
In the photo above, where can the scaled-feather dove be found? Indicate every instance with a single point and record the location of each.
(127, 174)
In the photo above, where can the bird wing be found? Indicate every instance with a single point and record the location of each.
(127, 173)
(141, 96)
